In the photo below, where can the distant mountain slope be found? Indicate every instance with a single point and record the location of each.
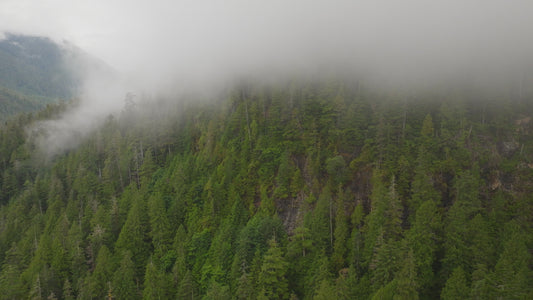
(12, 103)
(34, 66)
(35, 71)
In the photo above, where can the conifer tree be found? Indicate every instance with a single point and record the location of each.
(456, 286)
(341, 233)
(272, 282)
(102, 274)
(159, 225)
(406, 284)
(156, 283)
(423, 238)
(326, 290)
(123, 284)
(512, 277)
(186, 287)
(134, 236)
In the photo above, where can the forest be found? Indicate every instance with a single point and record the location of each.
(311, 189)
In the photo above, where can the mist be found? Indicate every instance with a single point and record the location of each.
(163, 47)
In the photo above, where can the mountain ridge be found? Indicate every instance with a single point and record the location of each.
(36, 71)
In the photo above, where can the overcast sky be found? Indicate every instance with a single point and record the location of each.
(211, 38)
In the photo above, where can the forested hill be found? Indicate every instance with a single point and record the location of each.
(36, 71)
(310, 190)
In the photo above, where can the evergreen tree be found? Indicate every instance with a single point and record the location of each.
(406, 284)
(160, 226)
(457, 240)
(186, 287)
(123, 284)
(134, 236)
(456, 286)
(67, 291)
(480, 284)
(245, 288)
(423, 238)
(156, 283)
(272, 282)
(325, 291)
(512, 276)
(102, 274)
(340, 234)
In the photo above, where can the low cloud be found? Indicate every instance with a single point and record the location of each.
(162, 46)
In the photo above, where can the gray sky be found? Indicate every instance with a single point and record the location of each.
(192, 38)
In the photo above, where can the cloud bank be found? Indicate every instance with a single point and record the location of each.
(162, 39)
(162, 44)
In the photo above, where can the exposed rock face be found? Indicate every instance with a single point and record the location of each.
(522, 122)
(508, 148)
(523, 125)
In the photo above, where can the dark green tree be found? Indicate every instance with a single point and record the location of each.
(124, 285)
(135, 237)
(456, 286)
(272, 282)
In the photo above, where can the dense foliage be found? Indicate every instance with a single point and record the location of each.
(313, 190)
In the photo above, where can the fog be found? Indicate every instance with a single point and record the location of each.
(162, 40)
(163, 46)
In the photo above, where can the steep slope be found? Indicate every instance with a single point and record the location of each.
(309, 190)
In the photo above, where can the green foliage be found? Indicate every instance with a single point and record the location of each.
(102, 275)
(456, 286)
(272, 283)
(123, 284)
(253, 197)
(422, 238)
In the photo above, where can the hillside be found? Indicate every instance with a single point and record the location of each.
(36, 71)
(12, 103)
(307, 190)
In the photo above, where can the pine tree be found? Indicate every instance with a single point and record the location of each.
(186, 287)
(375, 220)
(67, 291)
(406, 285)
(326, 290)
(393, 213)
(123, 285)
(457, 243)
(341, 234)
(159, 225)
(10, 273)
(385, 262)
(512, 276)
(156, 285)
(245, 288)
(272, 282)
(423, 238)
(322, 221)
(217, 291)
(134, 236)
(456, 286)
(480, 284)
(102, 274)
